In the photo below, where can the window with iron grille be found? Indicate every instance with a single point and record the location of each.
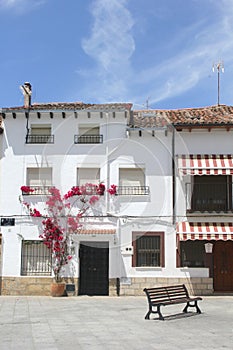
(88, 134)
(132, 182)
(39, 179)
(209, 193)
(148, 249)
(40, 133)
(35, 259)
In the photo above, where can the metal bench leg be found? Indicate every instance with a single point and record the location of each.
(195, 305)
(186, 308)
(147, 317)
(160, 314)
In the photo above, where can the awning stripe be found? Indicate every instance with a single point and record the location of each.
(97, 232)
(205, 164)
(204, 230)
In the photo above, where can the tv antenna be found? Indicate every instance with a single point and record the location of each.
(220, 68)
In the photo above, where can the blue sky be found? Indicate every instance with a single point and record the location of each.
(149, 52)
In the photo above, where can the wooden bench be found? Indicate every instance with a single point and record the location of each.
(162, 296)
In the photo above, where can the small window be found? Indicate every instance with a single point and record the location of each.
(88, 134)
(40, 133)
(35, 259)
(40, 180)
(88, 175)
(39, 177)
(192, 253)
(148, 249)
(40, 129)
(132, 182)
(89, 130)
(210, 193)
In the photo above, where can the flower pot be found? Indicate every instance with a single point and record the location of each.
(57, 289)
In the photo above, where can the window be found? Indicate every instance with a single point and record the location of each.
(132, 182)
(192, 253)
(88, 134)
(35, 259)
(148, 249)
(39, 179)
(40, 133)
(88, 175)
(211, 193)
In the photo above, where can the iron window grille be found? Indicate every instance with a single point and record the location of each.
(133, 190)
(87, 139)
(36, 259)
(148, 249)
(209, 194)
(37, 190)
(38, 139)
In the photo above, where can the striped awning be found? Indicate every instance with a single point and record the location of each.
(204, 230)
(97, 232)
(205, 164)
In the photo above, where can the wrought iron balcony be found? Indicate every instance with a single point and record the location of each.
(133, 190)
(40, 139)
(36, 190)
(209, 197)
(85, 139)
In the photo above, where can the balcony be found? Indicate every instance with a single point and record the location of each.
(39, 139)
(88, 139)
(209, 197)
(36, 190)
(133, 190)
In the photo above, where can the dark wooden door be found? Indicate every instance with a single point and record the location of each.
(93, 268)
(223, 266)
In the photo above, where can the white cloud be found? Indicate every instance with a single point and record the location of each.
(20, 5)
(111, 44)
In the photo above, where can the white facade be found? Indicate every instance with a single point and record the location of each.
(126, 157)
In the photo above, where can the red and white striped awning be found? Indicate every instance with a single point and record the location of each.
(204, 230)
(205, 164)
(97, 232)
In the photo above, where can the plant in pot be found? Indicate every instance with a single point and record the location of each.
(60, 223)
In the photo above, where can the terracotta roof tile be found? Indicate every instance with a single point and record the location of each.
(71, 106)
(204, 116)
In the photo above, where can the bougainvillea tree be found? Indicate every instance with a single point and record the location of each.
(62, 217)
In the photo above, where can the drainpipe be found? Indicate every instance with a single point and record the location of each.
(173, 177)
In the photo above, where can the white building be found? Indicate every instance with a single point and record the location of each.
(153, 232)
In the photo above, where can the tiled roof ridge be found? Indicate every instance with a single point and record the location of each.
(70, 106)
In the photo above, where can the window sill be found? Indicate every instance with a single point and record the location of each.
(208, 213)
(148, 268)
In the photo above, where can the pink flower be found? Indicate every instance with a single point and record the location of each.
(112, 190)
(93, 200)
(26, 189)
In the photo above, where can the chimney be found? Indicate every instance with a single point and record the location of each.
(27, 92)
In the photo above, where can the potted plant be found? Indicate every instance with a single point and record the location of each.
(59, 224)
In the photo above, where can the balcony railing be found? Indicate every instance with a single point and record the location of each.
(133, 190)
(40, 139)
(85, 139)
(209, 197)
(36, 190)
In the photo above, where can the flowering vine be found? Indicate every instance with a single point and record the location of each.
(59, 224)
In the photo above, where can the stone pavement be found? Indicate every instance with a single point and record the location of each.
(100, 323)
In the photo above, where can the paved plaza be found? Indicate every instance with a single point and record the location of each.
(82, 322)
